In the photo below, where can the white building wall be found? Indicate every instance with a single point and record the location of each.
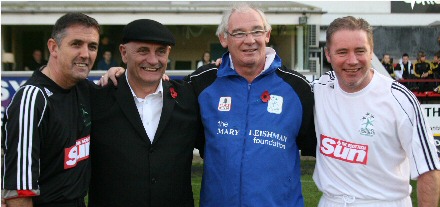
(377, 13)
(351, 7)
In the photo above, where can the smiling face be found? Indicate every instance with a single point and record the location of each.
(248, 53)
(75, 54)
(350, 55)
(146, 62)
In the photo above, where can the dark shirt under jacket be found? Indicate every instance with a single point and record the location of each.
(129, 171)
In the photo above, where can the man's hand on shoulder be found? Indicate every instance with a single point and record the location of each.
(218, 62)
(113, 73)
(165, 77)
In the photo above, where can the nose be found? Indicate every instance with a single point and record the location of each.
(352, 58)
(151, 59)
(249, 39)
(84, 52)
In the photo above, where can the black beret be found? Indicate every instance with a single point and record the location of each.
(147, 30)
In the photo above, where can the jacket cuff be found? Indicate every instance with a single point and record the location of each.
(8, 194)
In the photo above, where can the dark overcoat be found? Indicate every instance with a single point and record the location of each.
(128, 170)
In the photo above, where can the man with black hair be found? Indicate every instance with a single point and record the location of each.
(47, 125)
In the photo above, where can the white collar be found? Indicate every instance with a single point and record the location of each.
(159, 89)
(270, 56)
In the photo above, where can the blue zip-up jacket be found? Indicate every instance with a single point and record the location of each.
(252, 142)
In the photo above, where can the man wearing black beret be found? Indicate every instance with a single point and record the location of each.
(145, 129)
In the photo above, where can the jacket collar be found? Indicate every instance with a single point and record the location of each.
(167, 109)
(159, 89)
(273, 61)
(128, 107)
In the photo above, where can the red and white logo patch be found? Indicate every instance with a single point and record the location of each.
(225, 104)
(343, 150)
(80, 151)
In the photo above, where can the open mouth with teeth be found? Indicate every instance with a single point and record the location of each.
(150, 69)
(352, 70)
(250, 50)
(82, 64)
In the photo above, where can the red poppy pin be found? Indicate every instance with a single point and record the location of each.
(265, 97)
(173, 93)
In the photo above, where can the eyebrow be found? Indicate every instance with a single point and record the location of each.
(360, 48)
(341, 49)
(164, 47)
(345, 49)
(83, 42)
(259, 27)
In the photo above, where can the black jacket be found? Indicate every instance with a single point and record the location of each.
(127, 170)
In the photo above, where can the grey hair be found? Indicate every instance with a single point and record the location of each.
(239, 7)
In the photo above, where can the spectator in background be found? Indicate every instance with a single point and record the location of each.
(388, 65)
(104, 45)
(107, 62)
(36, 62)
(404, 69)
(372, 134)
(206, 59)
(435, 68)
(435, 65)
(422, 70)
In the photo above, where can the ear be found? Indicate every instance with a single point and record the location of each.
(223, 40)
(123, 51)
(52, 46)
(267, 38)
(327, 54)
